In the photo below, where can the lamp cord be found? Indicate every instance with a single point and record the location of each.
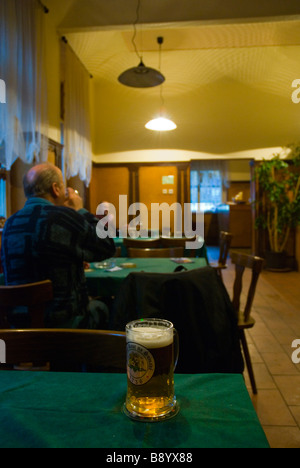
(46, 9)
(134, 30)
(160, 41)
(162, 101)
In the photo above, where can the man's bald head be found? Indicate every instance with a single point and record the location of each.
(39, 180)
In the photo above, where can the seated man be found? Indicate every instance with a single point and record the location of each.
(51, 238)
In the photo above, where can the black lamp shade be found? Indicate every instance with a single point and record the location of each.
(141, 77)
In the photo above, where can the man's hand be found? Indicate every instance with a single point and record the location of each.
(73, 200)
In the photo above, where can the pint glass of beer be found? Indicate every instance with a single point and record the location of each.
(150, 370)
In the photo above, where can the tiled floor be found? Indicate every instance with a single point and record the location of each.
(276, 310)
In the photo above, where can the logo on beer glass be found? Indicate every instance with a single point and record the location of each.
(140, 364)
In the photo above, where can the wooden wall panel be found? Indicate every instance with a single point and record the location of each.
(151, 188)
(236, 187)
(17, 197)
(298, 247)
(106, 185)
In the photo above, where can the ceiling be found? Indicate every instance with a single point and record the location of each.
(229, 67)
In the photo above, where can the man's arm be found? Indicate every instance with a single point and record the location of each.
(92, 247)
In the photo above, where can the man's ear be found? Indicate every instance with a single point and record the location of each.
(54, 190)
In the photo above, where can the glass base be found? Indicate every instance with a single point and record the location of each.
(142, 418)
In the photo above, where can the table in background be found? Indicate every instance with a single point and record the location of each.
(106, 283)
(201, 252)
(80, 410)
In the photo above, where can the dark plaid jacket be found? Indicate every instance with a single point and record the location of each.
(43, 241)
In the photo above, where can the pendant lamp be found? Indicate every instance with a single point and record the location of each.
(161, 123)
(140, 76)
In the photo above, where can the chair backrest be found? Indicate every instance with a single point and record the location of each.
(118, 252)
(178, 242)
(33, 295)
(156, 253)
(64, 348)
(224, 245)
(141, 243)
(241, 262)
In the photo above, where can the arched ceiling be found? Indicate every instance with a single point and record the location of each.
(229, 68)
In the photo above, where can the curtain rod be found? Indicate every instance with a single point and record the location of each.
(46, 9)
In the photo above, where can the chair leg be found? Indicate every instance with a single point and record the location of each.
(219, 273)
(248, 361)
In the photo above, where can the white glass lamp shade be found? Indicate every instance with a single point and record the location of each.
(161, 124)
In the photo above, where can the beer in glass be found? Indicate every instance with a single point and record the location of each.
(150, 370)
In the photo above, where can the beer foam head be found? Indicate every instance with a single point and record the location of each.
(151, 337)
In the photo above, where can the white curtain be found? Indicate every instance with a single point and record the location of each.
(214, 165)
(23, 118)
(77, 133)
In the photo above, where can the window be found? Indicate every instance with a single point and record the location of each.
(209, 181)
(206, 189)
(2, 199)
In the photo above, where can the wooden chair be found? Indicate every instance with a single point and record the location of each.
(118, 252)
(33, 295)
(178, 242)
(66, 349)
(245, 321)
(156, 253)
(142, 243)
(224, 246)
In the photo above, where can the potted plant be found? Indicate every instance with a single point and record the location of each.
(279, 209)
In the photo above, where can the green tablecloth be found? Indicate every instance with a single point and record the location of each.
(107, 283)
(41, 409)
